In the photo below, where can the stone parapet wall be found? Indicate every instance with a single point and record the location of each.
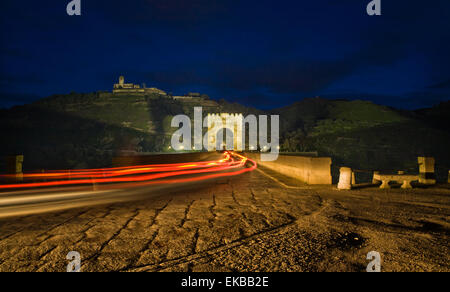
(310, 170)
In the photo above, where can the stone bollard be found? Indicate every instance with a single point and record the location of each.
(374, 179)
(345, 179)
(426, 170)
(14, 166)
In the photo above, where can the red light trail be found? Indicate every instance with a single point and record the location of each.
(228, 166)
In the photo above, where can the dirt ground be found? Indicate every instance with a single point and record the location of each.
(247, 223)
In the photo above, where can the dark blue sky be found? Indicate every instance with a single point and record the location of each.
(261, 53)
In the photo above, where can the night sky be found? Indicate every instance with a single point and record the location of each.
(266, 54)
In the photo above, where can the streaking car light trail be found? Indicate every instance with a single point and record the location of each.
(120, 171)
(207, 170)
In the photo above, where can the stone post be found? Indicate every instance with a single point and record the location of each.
(426, 170)
(345, 179)
(374, 179)
(14, 166)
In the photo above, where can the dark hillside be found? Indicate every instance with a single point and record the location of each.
(86, 130)
(367, 136)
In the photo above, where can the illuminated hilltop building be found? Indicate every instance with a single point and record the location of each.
(136, 89)
(130, 88)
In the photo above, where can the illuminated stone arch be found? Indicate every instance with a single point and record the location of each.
(228, 123)
(222, 144)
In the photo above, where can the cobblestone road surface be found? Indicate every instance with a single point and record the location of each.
(246, 223)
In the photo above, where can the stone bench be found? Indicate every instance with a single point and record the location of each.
(385, 179)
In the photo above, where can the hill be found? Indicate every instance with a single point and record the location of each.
(363, 135)
(87, 130)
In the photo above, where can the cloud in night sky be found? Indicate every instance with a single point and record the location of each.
(262, 53)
